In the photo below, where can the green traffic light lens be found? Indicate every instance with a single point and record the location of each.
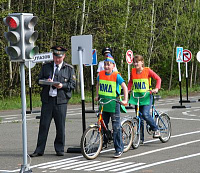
(33, 52)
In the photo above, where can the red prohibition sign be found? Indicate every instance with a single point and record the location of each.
(129, 56)
(187, 55)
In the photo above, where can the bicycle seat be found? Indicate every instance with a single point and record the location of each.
(157, 97)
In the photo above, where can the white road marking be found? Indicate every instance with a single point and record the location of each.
(127, 167)
(115, 166)
(79, 165)
(103, 166)
(187, 119)
(161, 162)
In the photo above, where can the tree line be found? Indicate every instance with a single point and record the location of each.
(152, 28)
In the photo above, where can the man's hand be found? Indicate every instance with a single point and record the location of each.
(58, 86)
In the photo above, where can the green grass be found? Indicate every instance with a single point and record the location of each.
(15, 102)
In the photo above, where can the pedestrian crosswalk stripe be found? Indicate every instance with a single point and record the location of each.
(89, 165)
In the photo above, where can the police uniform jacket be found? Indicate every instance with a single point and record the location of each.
(66, 76)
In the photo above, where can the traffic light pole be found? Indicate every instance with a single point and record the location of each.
(24, 167)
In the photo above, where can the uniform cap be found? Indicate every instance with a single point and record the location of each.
(106, 50)
(58, 51)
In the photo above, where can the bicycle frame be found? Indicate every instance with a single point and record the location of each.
(92, 138)
(100, 121)
(161, 119)
(137, 110)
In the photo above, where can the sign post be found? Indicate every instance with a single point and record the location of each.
(94, 62)
(81, 54)
(29, 65)
(198, 59)
(187, 56)
(179, 59)
(129, 60)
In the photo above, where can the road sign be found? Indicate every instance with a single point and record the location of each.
(129, 56)
(48, 56)
(94, 58)
(179, 54)
(84, 43)
(198, 56)
(30, 64)
(187, 55)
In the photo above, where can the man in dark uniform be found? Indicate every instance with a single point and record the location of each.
(54, 100)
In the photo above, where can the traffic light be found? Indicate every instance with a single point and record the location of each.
(21, 36)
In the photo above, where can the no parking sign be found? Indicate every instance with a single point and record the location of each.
(187, 55)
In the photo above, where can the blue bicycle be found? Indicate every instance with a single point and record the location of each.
(161, 119)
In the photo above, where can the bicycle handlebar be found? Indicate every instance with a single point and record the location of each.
(141, 96)
(109, 100)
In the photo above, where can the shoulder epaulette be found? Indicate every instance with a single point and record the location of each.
(69, 65)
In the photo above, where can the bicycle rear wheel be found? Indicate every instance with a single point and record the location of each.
(136, 136)
(164, 126)
(127, 135)
(91, 143)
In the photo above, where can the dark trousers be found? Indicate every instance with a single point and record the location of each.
(58, 113)
(116, 125)
(145, 110)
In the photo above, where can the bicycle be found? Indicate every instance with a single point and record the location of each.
(92, 138)
(162, 121)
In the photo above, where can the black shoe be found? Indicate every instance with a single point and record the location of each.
(59, 153)
(36, 154)
(105, 145)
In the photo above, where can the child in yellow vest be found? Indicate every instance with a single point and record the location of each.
(139, 79)
(107, 87)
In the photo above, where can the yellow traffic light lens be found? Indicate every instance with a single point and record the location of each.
(12, 36)
(31, 36)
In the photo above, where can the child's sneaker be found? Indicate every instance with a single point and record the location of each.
(156, 134)
(141, 142)
(117, 154)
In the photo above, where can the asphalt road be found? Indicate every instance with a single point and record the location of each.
(180, 155)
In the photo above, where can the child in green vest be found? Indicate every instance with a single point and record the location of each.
(107, 87)
(139, 83)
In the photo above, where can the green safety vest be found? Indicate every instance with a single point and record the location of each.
(140, 86)
(107, 90)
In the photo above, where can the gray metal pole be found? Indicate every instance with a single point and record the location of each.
(24, 167)
(80, 52)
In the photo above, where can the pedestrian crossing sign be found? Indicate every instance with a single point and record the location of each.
(179, 54)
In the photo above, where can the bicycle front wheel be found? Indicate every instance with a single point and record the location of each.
(136, 136)
(91, 143)
(127, 135)
(164, 126)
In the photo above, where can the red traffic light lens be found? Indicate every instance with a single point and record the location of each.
(12, 23)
